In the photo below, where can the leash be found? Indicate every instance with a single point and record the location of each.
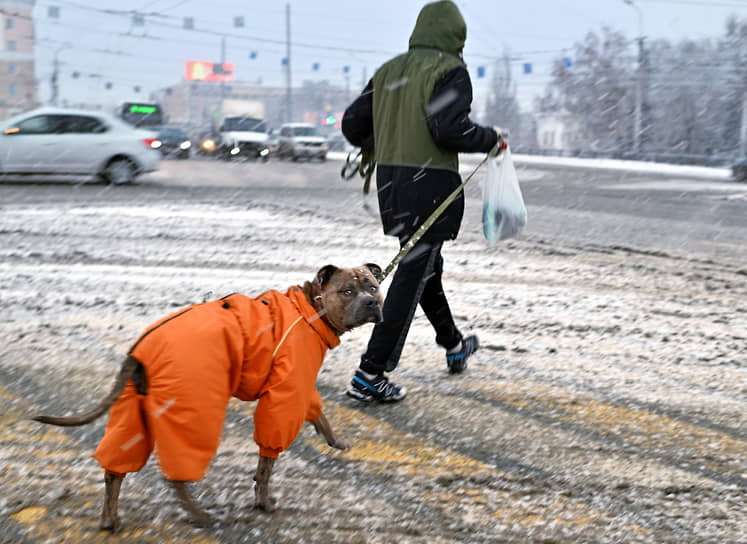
(365, 167)
(428, 222)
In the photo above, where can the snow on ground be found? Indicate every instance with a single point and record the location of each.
(607, 403)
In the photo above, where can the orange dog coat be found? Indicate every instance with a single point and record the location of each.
(269, 348)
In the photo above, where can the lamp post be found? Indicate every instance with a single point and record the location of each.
(639, 82)
(53, 80)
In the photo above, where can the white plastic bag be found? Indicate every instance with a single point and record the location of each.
(503, 210)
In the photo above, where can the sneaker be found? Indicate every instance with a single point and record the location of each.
(378, 389)
(457, 362)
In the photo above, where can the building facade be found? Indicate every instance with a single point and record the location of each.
(557, 133)
(17, 79)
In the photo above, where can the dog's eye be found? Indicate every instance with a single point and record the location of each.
(348, 292)
(373, 288)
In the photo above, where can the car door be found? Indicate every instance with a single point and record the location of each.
(29, 145)
(84, 143)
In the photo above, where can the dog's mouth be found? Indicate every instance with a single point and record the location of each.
(371, 315)
(377, 318)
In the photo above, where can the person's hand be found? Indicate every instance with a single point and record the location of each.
(501, 144)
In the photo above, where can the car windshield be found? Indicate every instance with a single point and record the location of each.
(244, 124)
(306, 131)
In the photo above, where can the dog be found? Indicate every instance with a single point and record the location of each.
(174, 386)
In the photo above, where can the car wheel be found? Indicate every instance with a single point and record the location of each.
(119, 171)
(323, 157)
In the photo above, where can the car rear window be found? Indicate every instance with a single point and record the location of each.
(79, 124)
(172, 133)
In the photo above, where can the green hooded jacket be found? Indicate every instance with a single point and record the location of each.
(403, 88)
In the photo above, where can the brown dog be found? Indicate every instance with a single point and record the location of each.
(174, 386)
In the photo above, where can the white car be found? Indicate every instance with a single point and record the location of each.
(64, 142)
(301, 140)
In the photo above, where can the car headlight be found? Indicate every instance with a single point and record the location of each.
(155, 144)
(208, 144)
(185, 145)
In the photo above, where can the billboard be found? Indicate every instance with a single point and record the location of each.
(201, 70)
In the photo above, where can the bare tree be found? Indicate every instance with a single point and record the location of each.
(501, 105)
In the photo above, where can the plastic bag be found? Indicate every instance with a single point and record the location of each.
(503, 210)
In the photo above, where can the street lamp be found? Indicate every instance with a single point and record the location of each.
(639, 82)
(55, 73)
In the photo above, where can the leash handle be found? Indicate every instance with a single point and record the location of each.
(428, 222)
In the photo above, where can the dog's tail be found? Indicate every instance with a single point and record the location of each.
(125, 373)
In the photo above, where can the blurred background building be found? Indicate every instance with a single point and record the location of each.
(17, 79)
(197, 105)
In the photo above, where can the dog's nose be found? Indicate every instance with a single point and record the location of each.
(371, 301)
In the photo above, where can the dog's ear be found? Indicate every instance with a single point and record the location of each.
(325, 273)
(375, 270)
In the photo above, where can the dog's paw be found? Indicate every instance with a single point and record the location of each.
(340, 444)
(268, 504)
(201, 520)
(113, 525)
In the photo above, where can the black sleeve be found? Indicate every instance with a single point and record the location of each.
(357, 122)
(448, 116)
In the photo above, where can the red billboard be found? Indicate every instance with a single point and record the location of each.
(201, 70)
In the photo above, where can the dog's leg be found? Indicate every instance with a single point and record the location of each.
(322, 426)
(199, 516)
(109, 516)
(262, 498)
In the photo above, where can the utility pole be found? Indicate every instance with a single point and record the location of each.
(54, 79)
(639, 82)
(222, 62)
(743, 129)
(288, 98)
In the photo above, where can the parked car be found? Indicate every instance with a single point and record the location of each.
(174, 142)
(54, 141)
(298, 140)
(739, 170)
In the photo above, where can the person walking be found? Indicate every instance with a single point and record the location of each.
(413, 118)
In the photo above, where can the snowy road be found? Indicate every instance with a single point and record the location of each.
(607, 403)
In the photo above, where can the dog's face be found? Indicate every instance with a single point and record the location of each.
(347, 297)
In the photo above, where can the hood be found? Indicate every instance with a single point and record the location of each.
(245, 136)
(311, 139)
(441, 26)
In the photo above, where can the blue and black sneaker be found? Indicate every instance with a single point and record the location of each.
(378, 389)
(457, 362)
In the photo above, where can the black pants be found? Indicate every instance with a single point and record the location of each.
(416, 280)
